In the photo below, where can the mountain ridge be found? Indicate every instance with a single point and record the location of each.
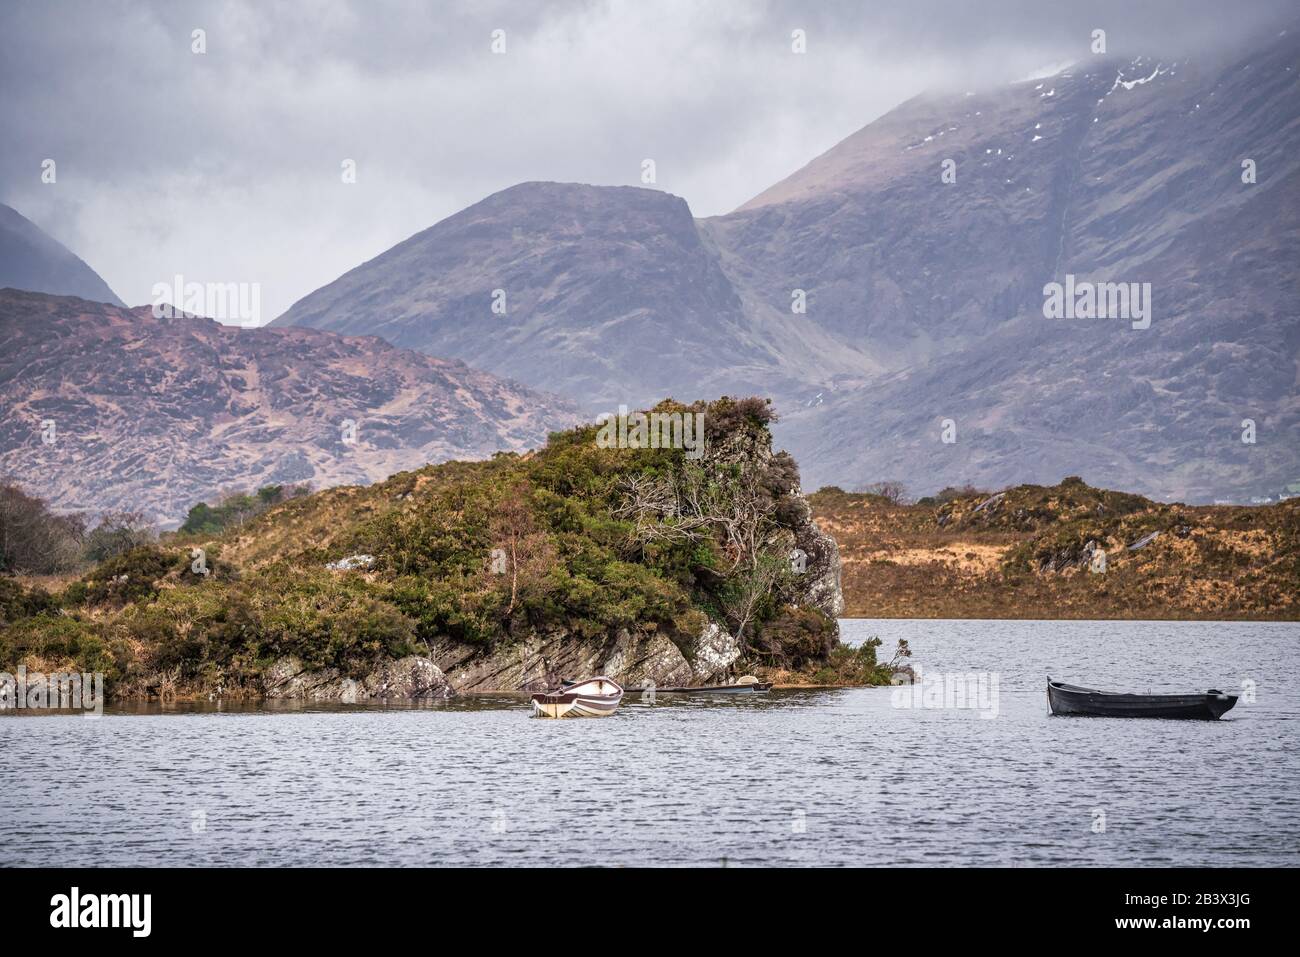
(158, 414)
(32, 260)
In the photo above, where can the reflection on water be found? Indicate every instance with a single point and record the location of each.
(803, 777)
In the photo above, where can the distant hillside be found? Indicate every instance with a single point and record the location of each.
(158, 414)
(32, 260)
(873, 300)
(1029, 551)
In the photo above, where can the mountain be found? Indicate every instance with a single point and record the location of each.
(611, 293)
(158, 414)
(30, 259)
(924, 298)
(1123, 172)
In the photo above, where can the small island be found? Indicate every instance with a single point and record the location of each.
(607, 551)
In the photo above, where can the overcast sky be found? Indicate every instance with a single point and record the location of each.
(225, 166)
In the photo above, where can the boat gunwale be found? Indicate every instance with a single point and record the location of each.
(571, 694)
(1158, 696)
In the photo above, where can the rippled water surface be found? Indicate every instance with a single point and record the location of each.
(806, 777)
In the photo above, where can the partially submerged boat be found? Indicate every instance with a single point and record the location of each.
(745, 685)
(593, 698)
(740, 687)
(1067, 699)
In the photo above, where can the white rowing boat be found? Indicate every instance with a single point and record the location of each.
(593, 698)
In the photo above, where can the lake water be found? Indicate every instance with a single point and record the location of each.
(800, 777)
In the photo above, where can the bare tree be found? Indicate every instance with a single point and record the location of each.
(735, 507)
(32, 538)
(528, 551)
(117, 532)
(893, 492)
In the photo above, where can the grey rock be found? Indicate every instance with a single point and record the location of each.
(541, 661)
(716, 650)
(406, 678)
(410, 677)
(1144, 541)
(351, 562)
(821, 578)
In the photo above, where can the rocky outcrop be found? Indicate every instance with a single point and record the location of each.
(716, 650)
(403, 678)
(540, 662)
(537, 663)
(821, 583)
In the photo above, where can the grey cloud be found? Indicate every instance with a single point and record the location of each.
(226, 166)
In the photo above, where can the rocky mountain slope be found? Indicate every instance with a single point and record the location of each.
(1111, 172)
(33, 260)
(104, 407)
(924, 297)
(611, 293)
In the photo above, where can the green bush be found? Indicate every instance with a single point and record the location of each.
(796, 637)
(860, 665)
(59, 643)
(19, 602)
(128, 577)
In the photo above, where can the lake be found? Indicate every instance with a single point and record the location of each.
(836, 777)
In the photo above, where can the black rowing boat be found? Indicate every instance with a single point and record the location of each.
(1073, 700)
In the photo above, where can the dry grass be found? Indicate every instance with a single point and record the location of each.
(1016, 560)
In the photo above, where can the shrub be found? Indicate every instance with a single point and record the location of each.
(128, 577)
(57, 643)
(233, 509)
(116, 534)
(18, 602)
(32, 538)
(860, 665)
(895, 493)
(796, 637)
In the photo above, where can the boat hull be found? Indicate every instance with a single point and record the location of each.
(598, 698)
(1071, 700)
(754, 688)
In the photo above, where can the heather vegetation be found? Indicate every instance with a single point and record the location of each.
(1063, 551)
(36, 541)
(573, 538)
